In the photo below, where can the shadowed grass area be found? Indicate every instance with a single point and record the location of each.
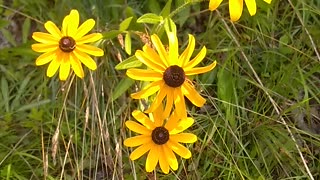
(260, 121)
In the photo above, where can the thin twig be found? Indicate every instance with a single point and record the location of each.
(274, 104)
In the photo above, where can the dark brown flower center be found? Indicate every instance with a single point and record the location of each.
(67, 44)
(160, 135)
(174, 76)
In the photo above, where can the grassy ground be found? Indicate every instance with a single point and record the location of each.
(261, 119)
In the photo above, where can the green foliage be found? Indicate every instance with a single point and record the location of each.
(75, 129)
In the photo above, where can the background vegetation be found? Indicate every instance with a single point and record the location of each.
(261, 119)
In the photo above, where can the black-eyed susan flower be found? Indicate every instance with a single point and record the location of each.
(168, 72)
(160, 139)
(67, 48)
(236, 7)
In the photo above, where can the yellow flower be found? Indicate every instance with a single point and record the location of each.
(161, 140)
(67, 48)
(168, 70)
(236, 6)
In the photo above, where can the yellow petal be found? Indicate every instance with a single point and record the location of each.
(267, 1)
(143, 119)
(137, 140)
(252, 7)
(186, 55)
(53, 67)
(46, 57)
(214, 4)
(200, 70)
(159, 98)
(152, 158)
(89, 38)
(196, 60)
(173, 49)
(169, 105)
(64, 67)
(65, 23)
(171, 158)
(153, 57)
(73, 23)
(150, 59)
(172, 121)
(164, 165)
(141, 150)
(53, 29)
(148, 90)
(192, 95)
(179, 149)
(160, 49)
(179, 103)
(44, 47)
(183, 138)
(235, 9)
(85, 59)
(84, 28)
(144, 74)
(45, 38)
(157, 116)
(138, 128)
(181, 125)
(90, 49)
(76, 65)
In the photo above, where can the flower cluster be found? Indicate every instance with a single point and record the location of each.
(161, 131)
(169, 74)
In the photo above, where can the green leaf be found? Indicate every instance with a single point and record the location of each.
(150, 18)
(25, 30)
(34, 105)
(166, 10)
(122, 87)
(5, 92)
(127, 43)
(125, 24)
(9, 37)
(111, 34)
(131, 62)
(154, 6)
